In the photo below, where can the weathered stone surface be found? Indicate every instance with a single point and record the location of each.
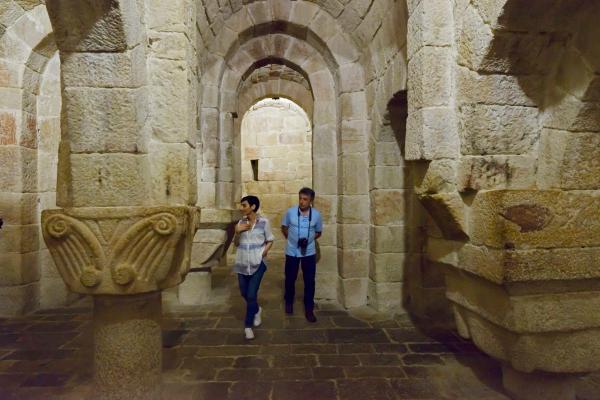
(92, 26)
(106, 120)
(385, 296)
(448, 211)
(387, 267)
(496, 172)
(388, 239)
(560, 352)
(353, 291)
(432, 133)
(100, 251)
(491, 129)
(569, 160)
(19, 300)
(539, 219)
(430, 77)
(388, 207)
(105, 180)
(125, 70)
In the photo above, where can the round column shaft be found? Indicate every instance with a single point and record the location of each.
(127, 346)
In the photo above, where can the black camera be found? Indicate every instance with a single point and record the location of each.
(303, 244)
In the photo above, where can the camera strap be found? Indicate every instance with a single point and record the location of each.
(309, 220)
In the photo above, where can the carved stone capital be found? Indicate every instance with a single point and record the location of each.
(121, 250)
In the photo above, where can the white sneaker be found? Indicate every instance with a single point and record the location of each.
(249, 333)
(257, 319)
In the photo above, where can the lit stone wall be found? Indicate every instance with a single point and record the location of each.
(278, 134)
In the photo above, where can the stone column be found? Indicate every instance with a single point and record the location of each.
(124, 256)
(127, 346)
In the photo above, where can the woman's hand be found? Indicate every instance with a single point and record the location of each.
(242, 227)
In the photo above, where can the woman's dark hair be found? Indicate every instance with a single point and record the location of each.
(307, 191)
(252, 201)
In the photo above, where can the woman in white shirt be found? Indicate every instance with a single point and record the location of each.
(253, 238)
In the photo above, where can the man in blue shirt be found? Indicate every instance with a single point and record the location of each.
(301, 225)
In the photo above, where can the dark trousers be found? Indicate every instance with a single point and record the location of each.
(249, 285)
(309, 269)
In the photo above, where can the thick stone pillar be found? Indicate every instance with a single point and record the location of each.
(127, 346)
(124, 256)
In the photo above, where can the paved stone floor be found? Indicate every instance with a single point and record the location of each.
(343, 356)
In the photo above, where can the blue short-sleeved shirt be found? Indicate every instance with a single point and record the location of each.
(298, 228)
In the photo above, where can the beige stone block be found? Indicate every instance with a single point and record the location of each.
(430, 77)
(47, 267)
(353, 236)
(49, 134)
(327, 258)
(426, 14)
(559, 352)
(18, 169)
(352, 78)
(326, 286)
(303, 13)
(322, 25)
(353, 106)
(385, 297)
(19, 300)
(355, 174)
(555, 265)
(496, 172)
(437, 176)
(432, 133)
(105, 120)
(388, 207)
(353, 292)
(170, 101)
(329, 235)
(388, 239)
(196, 288)
(325, 112)
(388, 267)
(327, 206)
(449, 213)
(343, 49)
(354, 136)
(497, 89)
(530, 219)
(569, 160)
(173, 174)
(19, 208)
(19, 238)
(121, 70)
(354, 209)
(18, 268)
(387, 177)
(166, 17)
(353, 263)
(168, 45)
(491, 129)
(108, 180)
(100, 28)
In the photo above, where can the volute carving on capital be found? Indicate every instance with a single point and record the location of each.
(121, 250)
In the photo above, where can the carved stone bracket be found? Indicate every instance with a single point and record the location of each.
(121, 250)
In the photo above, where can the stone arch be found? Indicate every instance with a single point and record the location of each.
(340, 106)
(25, 49)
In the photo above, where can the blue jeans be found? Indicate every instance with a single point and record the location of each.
(249, 285)
(309, 269)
